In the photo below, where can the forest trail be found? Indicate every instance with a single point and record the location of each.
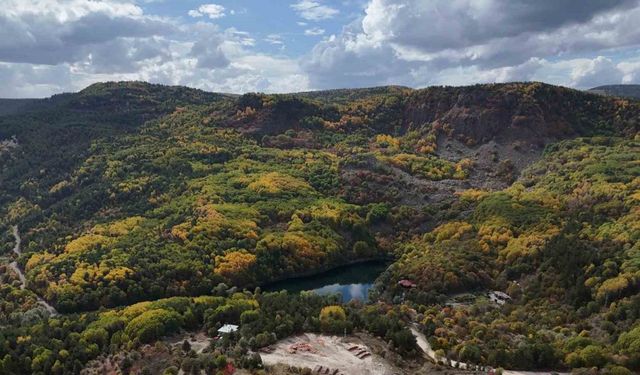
(16, 235)
(421, 339)
(423, 343)
(23, 280)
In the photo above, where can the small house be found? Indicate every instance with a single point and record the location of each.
(407, 283)
(227, 328)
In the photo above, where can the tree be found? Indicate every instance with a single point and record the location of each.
(470, 353)
(593, 356)
(186, 346)
(333, 319)
(333, 312)
(404, 340)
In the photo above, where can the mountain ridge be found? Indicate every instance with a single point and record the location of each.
(130, 192)
(628, 91)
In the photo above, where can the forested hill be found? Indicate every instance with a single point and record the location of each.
(149, 156)
(9, 106)
(126, 192)
(628, 91)
(54, 134)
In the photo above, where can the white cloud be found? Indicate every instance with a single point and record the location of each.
(313, 10)
(213, 11)
(631, 70)
(275, 39)
(50, 46)
(494, 32)
(314, 31)
(347, 61)
(415, 42)
(582, 73)
(54, 32)
(29, 81)
(595, 72)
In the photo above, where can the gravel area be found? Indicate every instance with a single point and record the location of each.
(332, 352)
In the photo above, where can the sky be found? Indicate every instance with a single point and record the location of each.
(237, 46)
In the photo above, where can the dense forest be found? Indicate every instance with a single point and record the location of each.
(145, 210)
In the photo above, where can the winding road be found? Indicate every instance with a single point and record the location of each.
(23, 280)
(423, 343)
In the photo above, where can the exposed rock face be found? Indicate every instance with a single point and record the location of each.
(528, 112)
(531, 114)
(500, 128)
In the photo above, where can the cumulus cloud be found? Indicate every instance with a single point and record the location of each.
(437, 25)
(213, 11)
(347, 61)
(53, 32)
(313, 10)
(494, 39)
(209, 54)
(581, 73)
(630, 70)
(595, 72)
(50, 46)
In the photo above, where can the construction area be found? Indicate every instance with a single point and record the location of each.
(328, 355)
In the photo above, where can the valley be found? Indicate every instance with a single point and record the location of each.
(131, 213)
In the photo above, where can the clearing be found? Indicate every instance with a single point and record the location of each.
(348, 356)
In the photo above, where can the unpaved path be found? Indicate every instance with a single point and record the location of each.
(23, 280)
(330, 352)
(421, 339)
(16, 235)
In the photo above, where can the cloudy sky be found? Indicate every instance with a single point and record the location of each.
(52, 46)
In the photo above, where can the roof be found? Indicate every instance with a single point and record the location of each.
(407, 283)
(228, 328)
(501, 294)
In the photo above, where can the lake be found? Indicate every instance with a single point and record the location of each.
(352, 281)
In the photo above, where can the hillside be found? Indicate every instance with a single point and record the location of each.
(129, 192)
(10, 106)
(625, 91)
(563, 242)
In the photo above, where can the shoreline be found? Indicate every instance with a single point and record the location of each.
(320, 272)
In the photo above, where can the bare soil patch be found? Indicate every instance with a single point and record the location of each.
(349, 355)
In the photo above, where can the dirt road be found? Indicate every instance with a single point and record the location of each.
(23, 280)
(421, 339)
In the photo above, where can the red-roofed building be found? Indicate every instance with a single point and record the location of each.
(406, 283)
(229, 369)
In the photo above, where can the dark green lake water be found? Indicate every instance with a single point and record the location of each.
(353, 281)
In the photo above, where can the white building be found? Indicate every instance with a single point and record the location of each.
(498, 297)
(228, 328)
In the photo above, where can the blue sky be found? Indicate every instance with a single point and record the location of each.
(52, 46)
(265, 19)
